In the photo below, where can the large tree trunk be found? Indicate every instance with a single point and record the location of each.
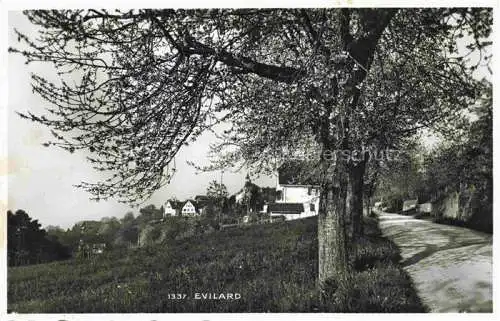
(332, 236)
(355, 199)
(332, 233)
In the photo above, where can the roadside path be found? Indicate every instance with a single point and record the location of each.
(450, 266)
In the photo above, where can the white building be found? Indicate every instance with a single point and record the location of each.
(189, 209)
(172, 208)
(239, 196)
(296, 197)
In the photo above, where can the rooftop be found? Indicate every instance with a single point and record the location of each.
(298, 173)
(285, 208)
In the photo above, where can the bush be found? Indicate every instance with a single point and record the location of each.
(482, 221)
(28, 244)
(383, 288)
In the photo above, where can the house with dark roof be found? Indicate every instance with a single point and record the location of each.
(202, 201)
(190, 208)
(172, 208)
(297, 192)
(202, 198)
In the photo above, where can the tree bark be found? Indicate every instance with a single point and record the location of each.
(355, 199)
(333, 240)
(332, 237)
(368, 202)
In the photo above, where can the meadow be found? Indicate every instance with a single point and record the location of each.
(272, 266)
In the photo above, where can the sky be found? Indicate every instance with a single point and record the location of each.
(41, 179)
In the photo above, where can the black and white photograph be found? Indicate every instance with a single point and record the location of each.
(249, 160)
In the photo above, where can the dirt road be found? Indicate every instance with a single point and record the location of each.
(451, 266)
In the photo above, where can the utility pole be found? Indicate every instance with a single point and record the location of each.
(18, 254)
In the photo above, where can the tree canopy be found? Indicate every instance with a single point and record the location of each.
(27, 243)
(137, 85)
(217, 191)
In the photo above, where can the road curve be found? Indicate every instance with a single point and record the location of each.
(450, 266)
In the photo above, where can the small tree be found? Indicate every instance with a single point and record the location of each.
(149, 213)
(28, 244)
(217, 193)
(128, 219)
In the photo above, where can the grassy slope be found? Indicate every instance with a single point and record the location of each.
(272, 266)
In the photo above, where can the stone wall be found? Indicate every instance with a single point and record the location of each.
(447, 206)
(466, 205)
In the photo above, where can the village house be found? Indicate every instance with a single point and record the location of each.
(87, 250)
(190, 208)
(172, 208)
(297, 195)
(98, 248)
(239, 196)
(202, 202)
